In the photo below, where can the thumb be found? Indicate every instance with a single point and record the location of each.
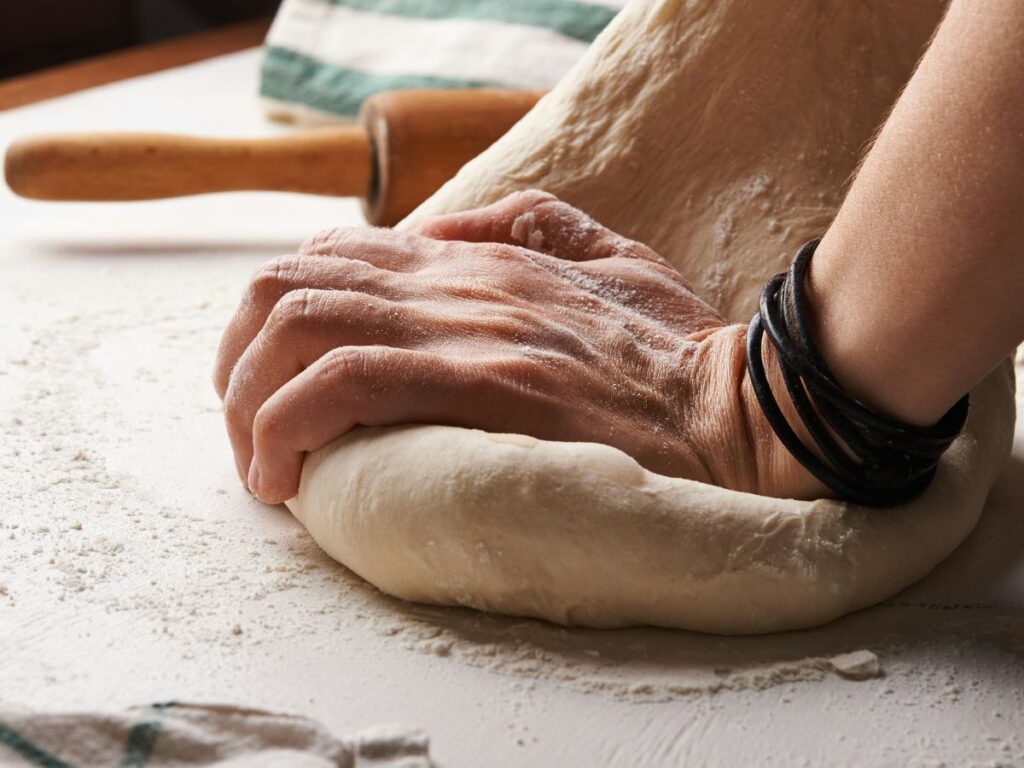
(491, 224)
(538, 221)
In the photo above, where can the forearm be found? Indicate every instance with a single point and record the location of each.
(915, 288)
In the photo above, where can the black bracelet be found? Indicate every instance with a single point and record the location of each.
(880, 461)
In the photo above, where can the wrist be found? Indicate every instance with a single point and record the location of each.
(754, 459)
(778, 472)
(872, 341)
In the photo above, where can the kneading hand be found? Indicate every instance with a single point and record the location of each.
(525, 316)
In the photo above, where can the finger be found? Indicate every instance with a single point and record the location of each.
(540, 222)
(490, 224)
(384, 248)
(377, 386)
(346, 387)
(281, 276)
(305, 325)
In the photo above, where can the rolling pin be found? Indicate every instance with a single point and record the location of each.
(404, 146)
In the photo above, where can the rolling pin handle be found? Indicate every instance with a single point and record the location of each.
(410, 143)
(146, 166)
(421, 138)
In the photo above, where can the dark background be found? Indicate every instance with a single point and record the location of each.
(35, 34)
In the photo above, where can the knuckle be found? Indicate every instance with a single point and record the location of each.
(504, 252)
(274, 278)
(514, 256)
(296, 308)
(347, 363)
(362, 276)
(265, 427)
(324, 242)
(498, 250)
(486, 268)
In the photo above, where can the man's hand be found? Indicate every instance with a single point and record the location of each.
(526, 316)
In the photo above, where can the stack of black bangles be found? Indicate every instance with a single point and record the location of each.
(880, 461)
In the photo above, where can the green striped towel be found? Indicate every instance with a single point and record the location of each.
(324, 57)
(179, 735)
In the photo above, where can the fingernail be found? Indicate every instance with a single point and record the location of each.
(254, 479)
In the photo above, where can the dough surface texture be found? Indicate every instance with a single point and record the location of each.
(579, 533)
(721, 133)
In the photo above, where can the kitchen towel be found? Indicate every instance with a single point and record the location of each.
(322, 58)
(182, 735)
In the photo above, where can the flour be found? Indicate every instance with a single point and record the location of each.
(523, 655)
(77, 526)
(314, 638)
(87, 525)
(526, 232)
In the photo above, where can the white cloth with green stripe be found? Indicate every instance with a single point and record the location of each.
(182, 735)
(324, 57)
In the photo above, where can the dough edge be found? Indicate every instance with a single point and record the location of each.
(580, 534)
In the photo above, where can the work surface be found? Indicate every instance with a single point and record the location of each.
(136, 569)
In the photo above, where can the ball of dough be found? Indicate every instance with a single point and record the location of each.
(579, 533)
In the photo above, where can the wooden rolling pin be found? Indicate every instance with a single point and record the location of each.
(406, 144)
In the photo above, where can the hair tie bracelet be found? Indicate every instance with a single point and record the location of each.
(869, 458)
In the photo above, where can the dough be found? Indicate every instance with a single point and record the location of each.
(579, 533)
(721, 132)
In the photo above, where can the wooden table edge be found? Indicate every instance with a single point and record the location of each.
(142, 60)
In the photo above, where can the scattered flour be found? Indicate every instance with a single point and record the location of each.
(98, 523)
(91, 492)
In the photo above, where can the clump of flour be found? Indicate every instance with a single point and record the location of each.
(526, 231)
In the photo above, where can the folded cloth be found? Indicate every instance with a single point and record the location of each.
(324, 57)
(184, 735)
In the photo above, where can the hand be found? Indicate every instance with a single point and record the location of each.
(526, 316)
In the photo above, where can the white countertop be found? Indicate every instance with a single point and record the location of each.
(134, 568)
